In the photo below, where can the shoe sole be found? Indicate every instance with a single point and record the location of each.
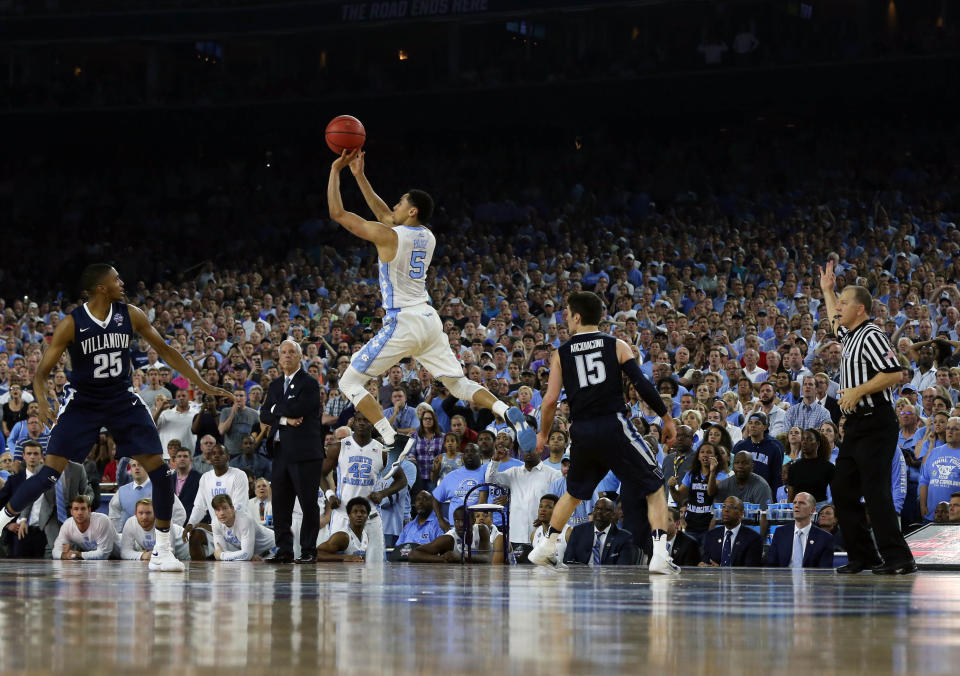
(526, 437)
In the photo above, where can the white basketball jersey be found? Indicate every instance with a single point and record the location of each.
(356, 545)
(403, 280)
(357, 470)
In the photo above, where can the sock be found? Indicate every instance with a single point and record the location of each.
(386, 431)
(162, 493)
(499, 409)
(658, 534)
(32, 489)
(163, 539)
(6, 518)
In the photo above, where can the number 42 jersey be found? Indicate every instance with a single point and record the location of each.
(357, 470)
(100, 353)
(591, 376)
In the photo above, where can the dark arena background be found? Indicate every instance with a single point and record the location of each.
(693, 163)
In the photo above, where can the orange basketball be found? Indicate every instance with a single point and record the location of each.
(345, 132)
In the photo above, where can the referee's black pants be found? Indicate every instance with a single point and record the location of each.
(863, 469)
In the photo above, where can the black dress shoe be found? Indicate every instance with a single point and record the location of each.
(902, 568)
(854, 567)
(280, 558)
(307, 558)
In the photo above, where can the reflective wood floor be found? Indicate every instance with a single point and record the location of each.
(111, 617)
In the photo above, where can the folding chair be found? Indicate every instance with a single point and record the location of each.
(469, 511)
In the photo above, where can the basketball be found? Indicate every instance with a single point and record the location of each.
(345, 132)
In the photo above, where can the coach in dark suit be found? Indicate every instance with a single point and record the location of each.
(732, 544)
(804, 545)
(292, 409)
(601, 539)
(183, 459)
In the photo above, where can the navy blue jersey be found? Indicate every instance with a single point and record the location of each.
(100, 354)
(591, 376)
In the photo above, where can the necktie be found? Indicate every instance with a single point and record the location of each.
(286, 384)
(261, 510)
(596, 548)
(61, 502)
(796, 561)
(725, 552)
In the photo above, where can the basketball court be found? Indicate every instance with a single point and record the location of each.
(99, 618)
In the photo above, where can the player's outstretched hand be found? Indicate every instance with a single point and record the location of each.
(541, 442)
(216, 391)
(356, 164)
(44, 412)
(346, 157)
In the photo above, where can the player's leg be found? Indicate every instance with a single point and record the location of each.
(137, 437)
(437, 357)
(71, 439)
(587, 468)
(396, 340)
(636, 466)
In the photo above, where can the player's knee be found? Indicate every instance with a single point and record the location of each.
(352, 384)
(461, 388)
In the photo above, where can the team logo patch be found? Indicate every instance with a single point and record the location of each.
(118, 318)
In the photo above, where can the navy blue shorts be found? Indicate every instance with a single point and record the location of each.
(126, 417)
(598, 445)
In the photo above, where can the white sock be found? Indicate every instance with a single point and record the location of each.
(660, 546)
(163, 540)
(386, 431)
(5, 518)
(499, 409)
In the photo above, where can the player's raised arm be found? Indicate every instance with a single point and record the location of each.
(142, 326)
(378, 233)
(376, 204)
(62, 337)
(646, 390)
(828, 280)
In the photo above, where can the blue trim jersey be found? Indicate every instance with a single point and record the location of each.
(100, 353)
(403, 281)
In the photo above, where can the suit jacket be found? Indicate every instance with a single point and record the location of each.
(75, 483)
(830, 403)
(685, 551)
(744, 552)
(302, 400)
(189, 491)
(818, 552)
(618, 548)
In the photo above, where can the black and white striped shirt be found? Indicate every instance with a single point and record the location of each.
(866, 352)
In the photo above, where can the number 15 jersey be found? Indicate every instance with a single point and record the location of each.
(357, 470)
(100, 353)
(591, 376)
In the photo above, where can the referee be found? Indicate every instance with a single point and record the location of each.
(869, 368)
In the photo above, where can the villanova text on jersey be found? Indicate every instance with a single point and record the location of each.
(100, 353)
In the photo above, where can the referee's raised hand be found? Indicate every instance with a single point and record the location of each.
(827, 277)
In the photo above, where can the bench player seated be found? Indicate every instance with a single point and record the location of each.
(448, 547)
(140, 535)
(237, 535)
(85, 535)
(350, 542)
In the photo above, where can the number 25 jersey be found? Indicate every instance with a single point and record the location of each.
(100, 353)
(591, 376)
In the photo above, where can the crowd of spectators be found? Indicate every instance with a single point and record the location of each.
(705, 252)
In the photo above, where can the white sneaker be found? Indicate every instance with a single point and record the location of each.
(545, 554)
(165, 561)
(662, 564)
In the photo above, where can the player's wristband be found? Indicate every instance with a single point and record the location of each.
(329, 494)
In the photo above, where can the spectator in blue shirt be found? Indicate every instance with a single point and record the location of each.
(424, 527)
(34, 432)
(403, 418)
(453, 488)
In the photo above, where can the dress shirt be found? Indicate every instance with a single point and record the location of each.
(526, 489)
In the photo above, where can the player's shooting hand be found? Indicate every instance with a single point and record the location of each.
(346, 157)
(356, 164)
